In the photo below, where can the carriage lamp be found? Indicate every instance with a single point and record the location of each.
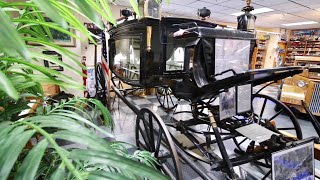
(301, 83)
(246, 21)
(150, 8)
(204, 13)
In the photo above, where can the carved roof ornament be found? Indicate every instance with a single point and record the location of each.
(248, 2)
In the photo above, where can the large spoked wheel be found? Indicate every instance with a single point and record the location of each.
(166, 98)
(280, 119)
(153, 136)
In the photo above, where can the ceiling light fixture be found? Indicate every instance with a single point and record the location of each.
(300, 23)
(256, 11)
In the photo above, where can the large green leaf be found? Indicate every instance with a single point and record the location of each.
(59, 173)
(7, 86)
(86, 8)
(56, 60)
(47, 24)
(107, 9)
(50, 73)
(10, 41)
(58, 149)
(68, 12)
(101, 175)
(31, 163)
(90, 141)
(118, 162)
(52, 12)
(63, 51)
(12, 149)
(134, 5)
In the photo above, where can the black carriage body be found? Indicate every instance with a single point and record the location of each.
(170, 57)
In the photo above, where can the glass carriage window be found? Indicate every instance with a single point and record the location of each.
(231, 54)
(176, 61)
(190, 56)
(127, 58)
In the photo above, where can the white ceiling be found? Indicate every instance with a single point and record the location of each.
(286, 11)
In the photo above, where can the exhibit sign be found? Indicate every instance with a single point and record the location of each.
(296, 163)
(227, 104)
(91, 82)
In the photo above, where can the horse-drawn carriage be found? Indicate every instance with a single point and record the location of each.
(199, 63)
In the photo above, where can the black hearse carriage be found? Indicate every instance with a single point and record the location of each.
(199, 63)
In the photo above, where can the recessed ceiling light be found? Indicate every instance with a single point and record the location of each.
(300, 23)
(256, 11)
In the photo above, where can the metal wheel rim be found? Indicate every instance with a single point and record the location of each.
(292, 117)
(165, 136)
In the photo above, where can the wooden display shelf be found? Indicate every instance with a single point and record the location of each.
(259, 54)
(303, 47)
(296, 49)
(307, 58)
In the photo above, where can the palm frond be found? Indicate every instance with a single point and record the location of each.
(71, 120)
(74, 162)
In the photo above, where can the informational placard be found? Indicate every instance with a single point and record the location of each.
(256, 132)
(244, 101)
(294, 163)
(91, 82)
(227, 104)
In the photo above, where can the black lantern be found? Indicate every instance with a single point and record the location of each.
(246, 21)
(204, 13)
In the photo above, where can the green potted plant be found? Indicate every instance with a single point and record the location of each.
(20, 80)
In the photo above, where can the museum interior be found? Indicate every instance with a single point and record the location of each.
(160, 89)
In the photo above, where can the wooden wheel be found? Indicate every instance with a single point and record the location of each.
(166, 98)
(153, 136)
(275, 119)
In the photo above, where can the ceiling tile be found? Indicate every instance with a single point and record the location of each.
(167, 7)
(122, 3)
(217, 8)
(311, 15)
(316, 7)
(307, 2)
(288, 5)
(236, 4)
(181, 2)
(295, 10)
(268, 3)
(215, 15)
(226, 18)
(200, 4)
(215, 1)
